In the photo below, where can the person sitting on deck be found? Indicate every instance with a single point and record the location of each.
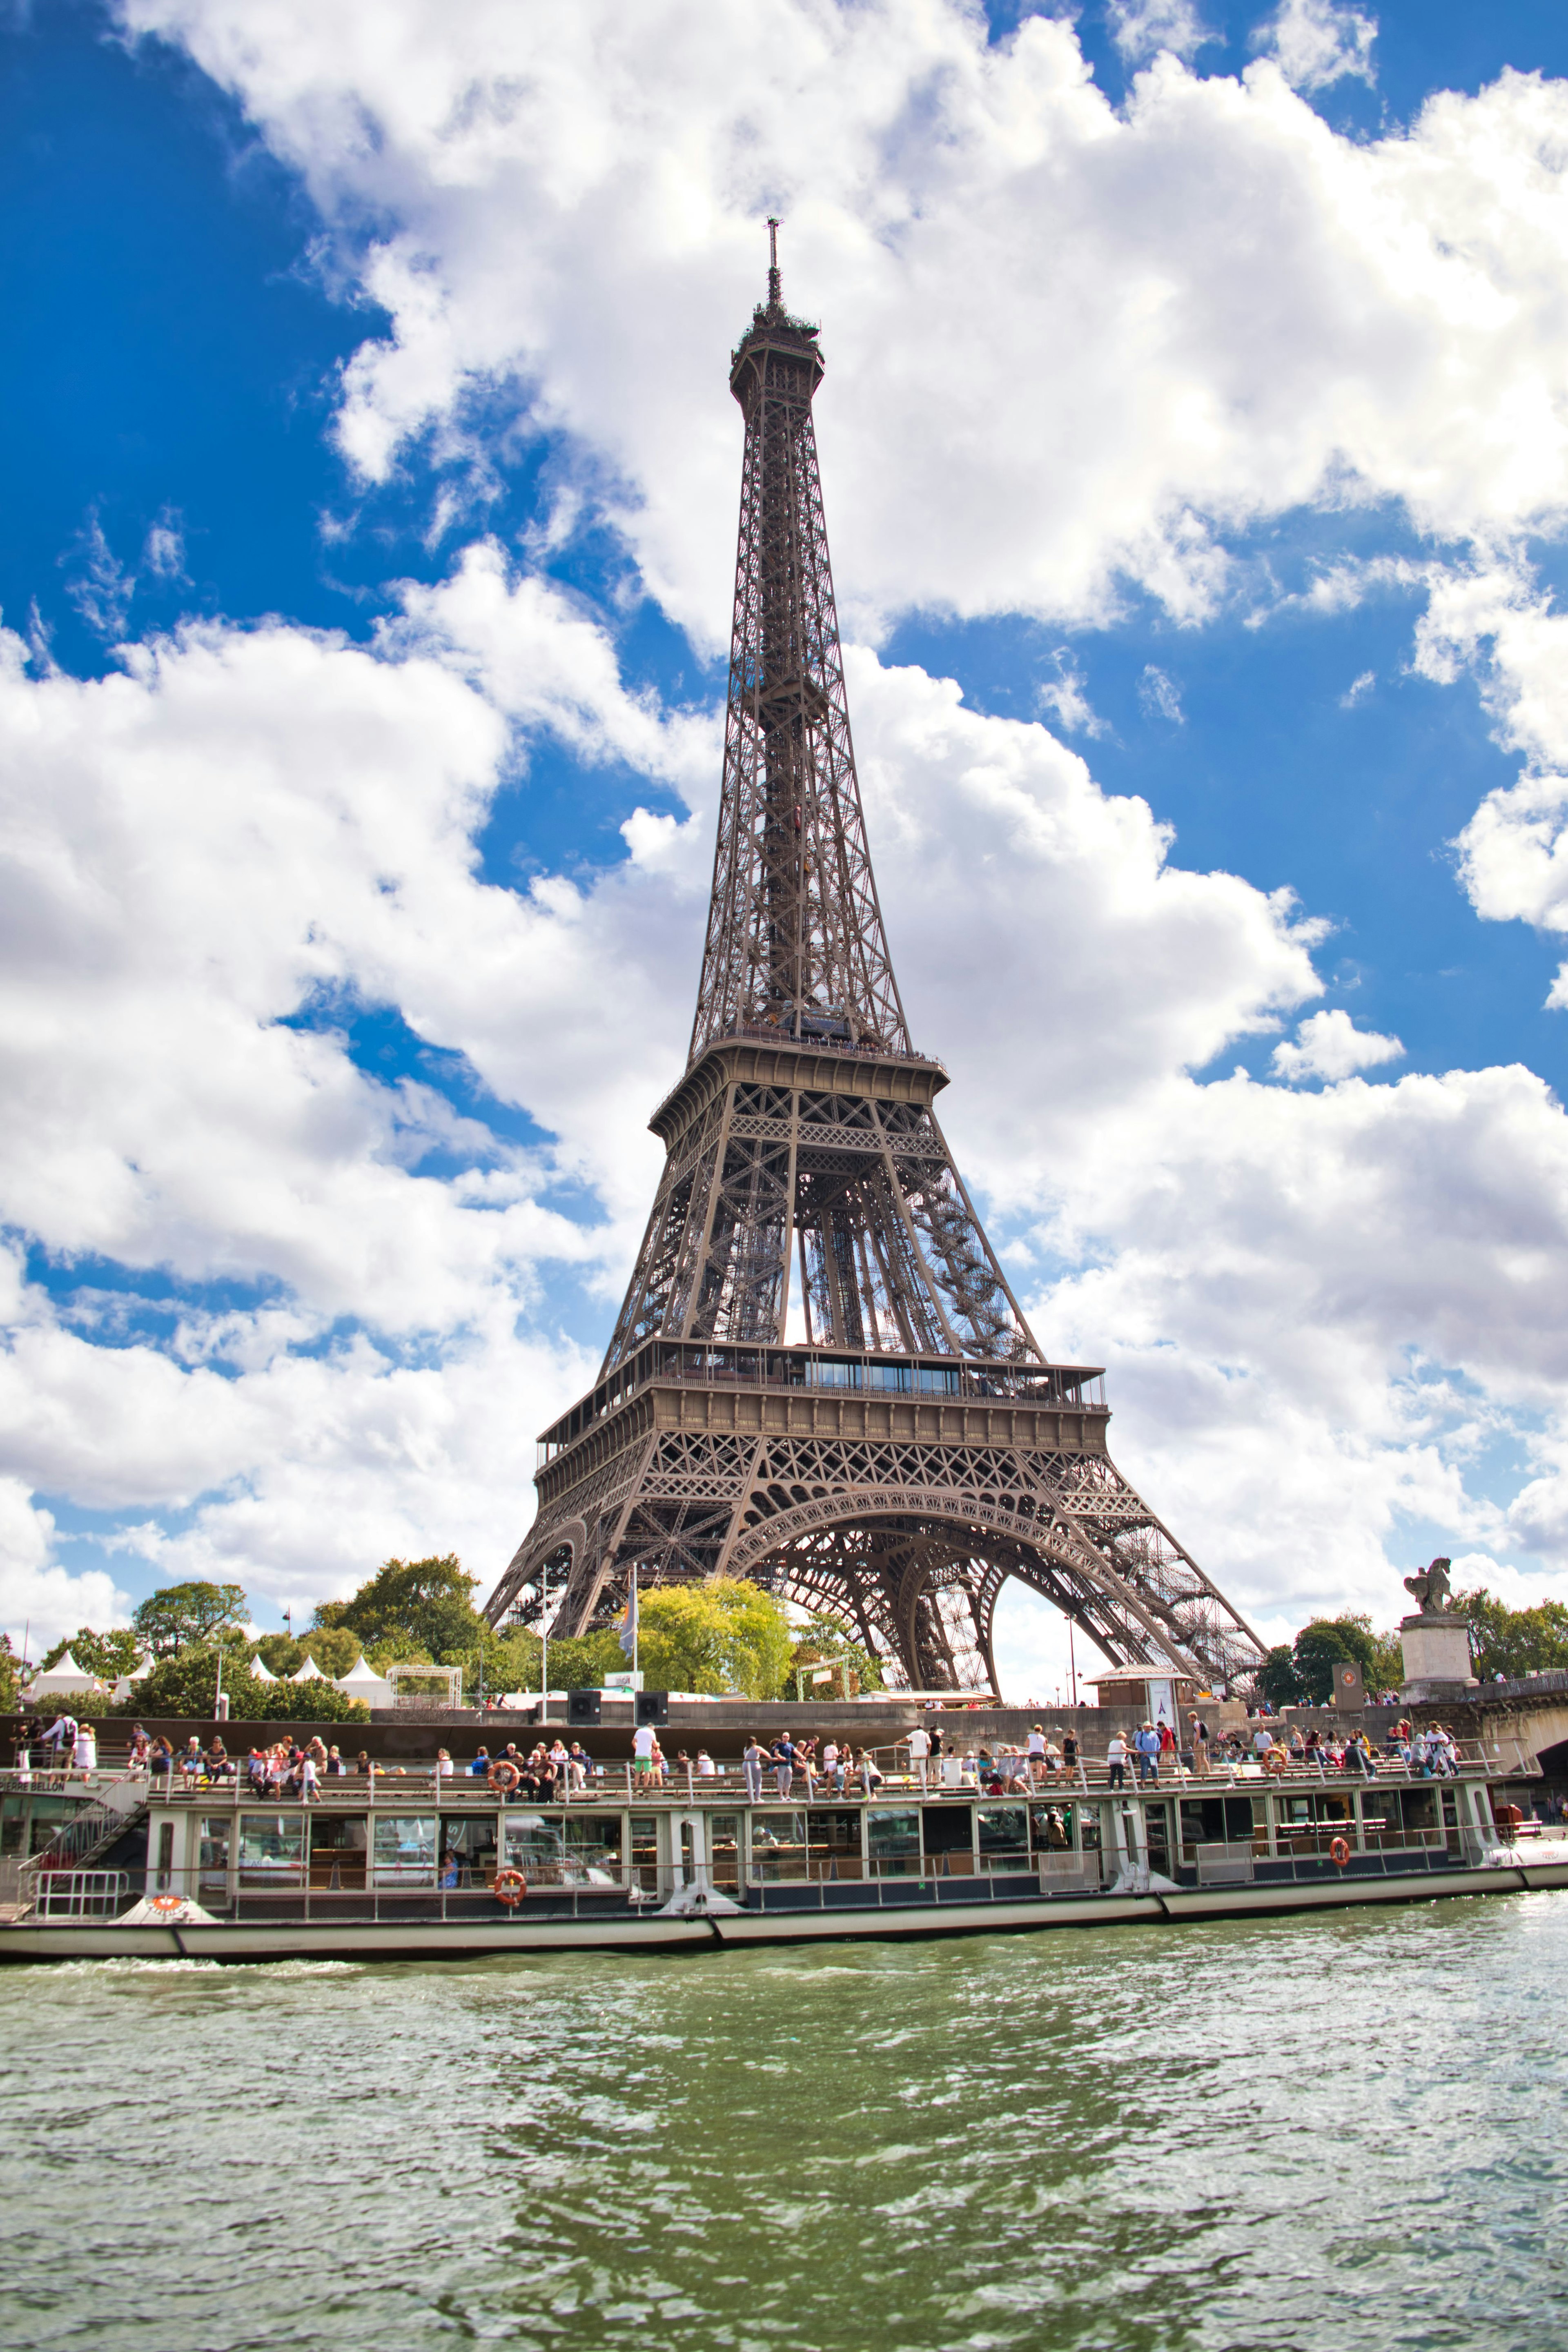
(336, 1768)
(218, 1767)
(579, 1764)
(191, 1762)
(705, 1765)
(161, 1759)
(480, 1765)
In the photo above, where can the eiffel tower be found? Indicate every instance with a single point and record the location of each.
(820, 1380)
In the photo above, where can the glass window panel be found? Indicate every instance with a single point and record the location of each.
(892, 1833)
(404, 1849)
(778, 1843)
(534, 1844)
(1004, 1829)
(1051, 1828)
(724, 1848)
(593, 1847)
(11, 1810)
(271, 1849)
(212, 1860)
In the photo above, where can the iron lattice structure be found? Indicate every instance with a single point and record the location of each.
(819, 1379)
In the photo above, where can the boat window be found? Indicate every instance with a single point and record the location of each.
(11, 1810)
(404, 1849)
(49, 1812)
(778, 1845)
(532, 1843)
(893, 1840)
(1003, 1837)
(338, 1846)
(595, 1837)
(834, 1837)
(1050, 1828)
(724, 1849)
(1418, 1808)
(271, 1849)
(949, 1833)
(213, 1861)
(644, 1830)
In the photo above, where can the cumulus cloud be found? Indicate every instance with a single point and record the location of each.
(1316, 43)
(1142, 28)
(1329, 1045)
(1219, 307)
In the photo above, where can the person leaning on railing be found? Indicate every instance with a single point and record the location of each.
(1116, 1760)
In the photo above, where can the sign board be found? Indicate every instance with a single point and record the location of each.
(1162, 1703)
(623, 1682)
(1349, 1688)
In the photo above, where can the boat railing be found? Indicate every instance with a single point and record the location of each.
(79, 1895)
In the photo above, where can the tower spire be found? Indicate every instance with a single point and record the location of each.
(820, 1377)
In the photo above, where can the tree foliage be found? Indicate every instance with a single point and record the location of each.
(1513, 1642)
(824, 1640)
(186, 1683)
(1278, 1680)
(186, 1614)
(10, 1677)
(107, 1656)
(411, 1609)
(722, 1635)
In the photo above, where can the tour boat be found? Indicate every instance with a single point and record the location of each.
(407, 1865)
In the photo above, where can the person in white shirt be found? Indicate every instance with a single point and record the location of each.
(919, 1746)
(1116, 1760)
(84, 1751)
(643, 1745)
(705, 1769)
(310, 1791)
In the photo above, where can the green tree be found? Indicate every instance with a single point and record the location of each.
(1278, 1680)
(10, 1677)
(185, 1613)
(1513, 1642)
(107, 1656)
(822, 1640)
(1322, 1643)
(184, 1682)
(411, 1609)
(722, 1635)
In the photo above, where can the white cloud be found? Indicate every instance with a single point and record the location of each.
(1158, 695)
(1358, 690)
(1142, 28)
(1329, 1045)
(97, 583)
(1317, 42)
(1007, 268)
(1063, 698)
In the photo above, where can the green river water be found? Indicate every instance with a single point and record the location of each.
(1329, 2134)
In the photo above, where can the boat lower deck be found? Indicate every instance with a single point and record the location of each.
(825, 1914)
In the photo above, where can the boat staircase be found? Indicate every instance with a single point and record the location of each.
(77, 1843)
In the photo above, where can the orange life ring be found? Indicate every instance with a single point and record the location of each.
(503, 1777)
(165, 1905)
(509, 1886)
(1339, 1853)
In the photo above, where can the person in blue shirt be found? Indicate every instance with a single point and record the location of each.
(480, 1765)
(1147, 1743)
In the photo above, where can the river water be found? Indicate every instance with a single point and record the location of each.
(1331, 2133)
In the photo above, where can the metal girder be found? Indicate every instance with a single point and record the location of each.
(809, 1197)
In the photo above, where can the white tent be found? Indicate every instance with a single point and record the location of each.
(64, 1678)
(260, 1673)
(363, 1682)
(309, 1673)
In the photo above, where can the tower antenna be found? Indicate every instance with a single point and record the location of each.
(776, 290)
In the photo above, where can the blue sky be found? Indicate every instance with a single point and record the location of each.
(371, 474)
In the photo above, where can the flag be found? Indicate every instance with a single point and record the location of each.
(629, 1623)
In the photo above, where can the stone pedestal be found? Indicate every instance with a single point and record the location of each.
(1436, 1658)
